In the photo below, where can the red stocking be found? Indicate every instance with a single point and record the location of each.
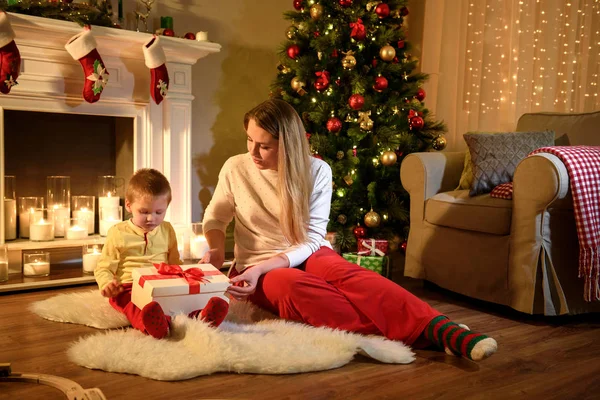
(82, 47)
(155, 60)
(10, 58)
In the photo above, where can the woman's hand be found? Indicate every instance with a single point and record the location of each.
(215, 257)
(250, 279)
(113, 289)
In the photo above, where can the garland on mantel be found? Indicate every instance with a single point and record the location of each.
(95, 12)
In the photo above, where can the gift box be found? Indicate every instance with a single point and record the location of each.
(378, 264)
(372, 247)
(178, 288)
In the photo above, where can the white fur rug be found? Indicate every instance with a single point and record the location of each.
(249, 341)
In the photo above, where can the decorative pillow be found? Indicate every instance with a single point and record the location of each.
(466, 178)
(495, 156)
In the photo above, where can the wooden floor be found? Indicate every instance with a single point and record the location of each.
(538, 358)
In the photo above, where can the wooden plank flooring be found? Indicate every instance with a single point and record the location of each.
(545, 358)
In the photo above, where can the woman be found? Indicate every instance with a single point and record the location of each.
(280, 197)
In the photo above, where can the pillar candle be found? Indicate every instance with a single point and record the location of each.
(41, 231)
(201, 36)
(60, 214)
(108, 202)
(90, 261)
(10, 219)
(39, 268)
(76, 232)
(89, 215)
(24, 220)
(3, 271)
(198, 246)
(106, 224)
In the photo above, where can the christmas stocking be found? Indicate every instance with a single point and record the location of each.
(159, 77)
(10, 58)
(82, 47)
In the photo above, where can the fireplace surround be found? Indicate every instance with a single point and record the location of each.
(50, 81)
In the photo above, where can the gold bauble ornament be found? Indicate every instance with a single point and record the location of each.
(298, 86)
(349, 61)
(387, 53)
(316, 11)
(389, 158)
(372, 219)
(291, 32)
(342, 219)
(339, 155)
(439, 143)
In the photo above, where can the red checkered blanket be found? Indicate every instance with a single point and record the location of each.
(583, 167)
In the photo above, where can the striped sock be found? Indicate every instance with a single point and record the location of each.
(449, 335)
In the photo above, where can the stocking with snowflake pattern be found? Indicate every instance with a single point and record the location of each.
(10, 58)
(155, 59)
(82, 47)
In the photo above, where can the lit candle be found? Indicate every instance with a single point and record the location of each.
(41, 230)
(24, 219)
(90, 260)
(89, 216)
(3, 271)
(198, 246)
(108, 201)
(202, 36)
(60, 213)
(38, 268)
(10, 219)
(76, 232)
(107, 223)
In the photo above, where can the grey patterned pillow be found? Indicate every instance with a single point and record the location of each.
(495, 156)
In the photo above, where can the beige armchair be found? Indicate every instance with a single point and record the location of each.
(522, 253)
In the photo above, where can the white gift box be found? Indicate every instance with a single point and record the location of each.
(175, 294)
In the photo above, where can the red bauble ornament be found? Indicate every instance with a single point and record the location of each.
(308, 135)
(190, 35)
(356, 101)
(360, 232)
(345, 3)
(293, 51)
(169, 32)
(417, 122)
(374, 62)
(395, 60)
(334, 125)
(400, 44)
(382, 10)
(381, 83)
(404, 11)
(399, 153)
(317, 156)
(322, 81)
(420, 94)
(298, 4)
(403, 246)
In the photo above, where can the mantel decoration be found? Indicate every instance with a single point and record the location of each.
(93, 12)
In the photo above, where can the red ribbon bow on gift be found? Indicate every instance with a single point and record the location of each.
(358, 30)
(194, 276)
(371, 249)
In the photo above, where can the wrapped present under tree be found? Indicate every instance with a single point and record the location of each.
(378, 264)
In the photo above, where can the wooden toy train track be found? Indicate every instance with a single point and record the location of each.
(71, 389)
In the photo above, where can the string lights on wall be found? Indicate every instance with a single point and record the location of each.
(528, 56)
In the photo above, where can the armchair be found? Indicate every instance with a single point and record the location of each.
(522, 253)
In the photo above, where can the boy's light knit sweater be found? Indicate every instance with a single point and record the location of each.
(128, 247)
(250, 195)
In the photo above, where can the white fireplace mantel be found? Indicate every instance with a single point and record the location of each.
(51, 81)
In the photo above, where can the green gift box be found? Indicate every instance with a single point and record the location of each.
(374, 263)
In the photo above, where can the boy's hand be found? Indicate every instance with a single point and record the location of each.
(113, 289)
(215, 257)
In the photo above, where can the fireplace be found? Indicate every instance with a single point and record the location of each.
(45, 118)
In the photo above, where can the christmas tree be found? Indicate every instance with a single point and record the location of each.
(347, 70)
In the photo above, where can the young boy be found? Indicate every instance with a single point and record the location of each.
(145, 239)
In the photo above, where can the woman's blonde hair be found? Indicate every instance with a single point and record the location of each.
(293, 165)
